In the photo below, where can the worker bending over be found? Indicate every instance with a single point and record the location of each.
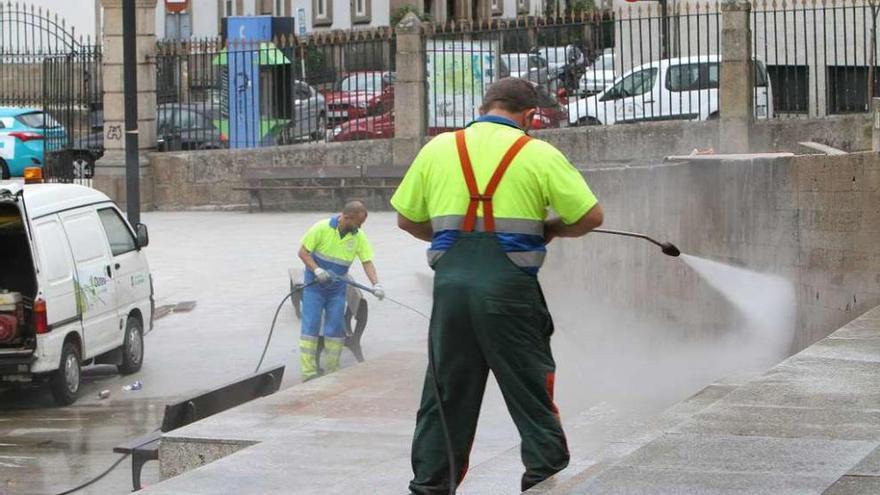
(480, 196)
(328, 249)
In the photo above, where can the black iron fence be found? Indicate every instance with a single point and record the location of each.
(630, 65)
(234, 94)
(821, 57)
(51, 91)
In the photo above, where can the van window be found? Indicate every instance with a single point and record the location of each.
(635, 84)
(85, 237)
(53, 247)
(121, 239)
(692, 77)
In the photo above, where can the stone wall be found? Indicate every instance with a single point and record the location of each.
(812, 219)
(198, 179)
(205, 179)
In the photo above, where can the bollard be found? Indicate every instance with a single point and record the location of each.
(875, 129)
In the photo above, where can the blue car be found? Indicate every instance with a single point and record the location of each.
(25, 133)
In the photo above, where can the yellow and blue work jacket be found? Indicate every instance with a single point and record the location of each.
(539, 177)
(334, 251)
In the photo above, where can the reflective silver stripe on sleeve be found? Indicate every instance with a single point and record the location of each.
(331, 259)
(503, 225)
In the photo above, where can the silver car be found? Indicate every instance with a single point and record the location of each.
(309, 117)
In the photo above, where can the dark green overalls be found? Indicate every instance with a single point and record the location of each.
(488, 314)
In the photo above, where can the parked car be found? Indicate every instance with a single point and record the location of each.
(668, 89)
(309, 119)
(526, 66)
(599, 75)
(356, 93)
(550, 114)
(187, 126)
(25, 133)
(75, 286)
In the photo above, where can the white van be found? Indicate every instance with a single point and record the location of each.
(75, 288)
(669, 89)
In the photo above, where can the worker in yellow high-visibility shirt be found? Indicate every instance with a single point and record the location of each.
(328, 250)
(480, 196)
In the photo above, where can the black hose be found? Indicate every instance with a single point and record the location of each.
(275, 318)
(106, 472)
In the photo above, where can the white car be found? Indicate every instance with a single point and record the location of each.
(75, 287)
(599, 75)
(669, 89)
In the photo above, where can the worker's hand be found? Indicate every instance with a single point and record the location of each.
(322, 275)
(378, 291)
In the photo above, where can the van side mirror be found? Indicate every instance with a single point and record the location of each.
(143, 237)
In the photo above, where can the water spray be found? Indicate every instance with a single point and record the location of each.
(668, 248)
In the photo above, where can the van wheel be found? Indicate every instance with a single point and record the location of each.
(132, 347)
(4, 170)
(66, 379)
(585, 121)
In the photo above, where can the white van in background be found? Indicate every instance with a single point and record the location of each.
(670, 89)
(75, 287)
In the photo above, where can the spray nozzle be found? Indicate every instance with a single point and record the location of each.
(668, 248)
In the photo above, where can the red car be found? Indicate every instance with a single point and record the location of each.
(356, 95)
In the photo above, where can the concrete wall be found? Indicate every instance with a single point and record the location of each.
(812, 219)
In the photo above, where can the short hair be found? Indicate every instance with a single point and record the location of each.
(510, 94)
(354, 208)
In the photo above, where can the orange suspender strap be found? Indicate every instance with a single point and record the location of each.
(470, 218)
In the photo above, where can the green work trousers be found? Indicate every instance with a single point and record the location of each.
(488, 314)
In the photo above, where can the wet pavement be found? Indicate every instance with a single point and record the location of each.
(234, 266)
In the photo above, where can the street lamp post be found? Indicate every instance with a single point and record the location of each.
(129, 70)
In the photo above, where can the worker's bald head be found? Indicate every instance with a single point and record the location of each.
(354, 214)
(354, 208)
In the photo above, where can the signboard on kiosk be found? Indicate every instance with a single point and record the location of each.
(243, 63)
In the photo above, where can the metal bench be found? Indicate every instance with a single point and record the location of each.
(184, 412)
(340, 181)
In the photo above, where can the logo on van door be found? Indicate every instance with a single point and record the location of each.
(88, 296)
(138, 279)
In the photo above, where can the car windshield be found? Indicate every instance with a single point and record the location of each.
(371, 81)
(38, 120)
(634, 84)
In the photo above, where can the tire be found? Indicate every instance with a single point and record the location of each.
(65, 381)
(714, 116)
(132, 347)
(586, 121)
(4, 171)
(321, 131)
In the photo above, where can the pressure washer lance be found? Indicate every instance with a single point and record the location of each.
(668, 248)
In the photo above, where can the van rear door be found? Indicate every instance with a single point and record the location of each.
(97, 292)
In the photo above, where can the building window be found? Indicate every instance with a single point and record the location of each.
(322, 13)
(361, 11)
(497, 7)
(791, 90)
(523, 7)
(227, 10)
(265, 7)
(847, 89)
